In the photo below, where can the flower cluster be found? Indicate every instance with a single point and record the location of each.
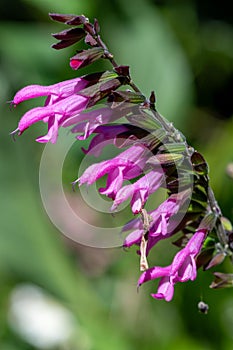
(155, 156)
(182, 269)
(64, 100)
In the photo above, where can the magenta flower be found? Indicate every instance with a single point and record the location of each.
(182, 269)
(88, 121)
(54, 92)
(127, 165)
(184, 265)
(161, 224)
(106, 134)
(62, 102)
(97, 117)
(139, 191)
(162, 216)
(54, 115)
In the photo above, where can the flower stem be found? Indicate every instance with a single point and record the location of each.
(178, 137)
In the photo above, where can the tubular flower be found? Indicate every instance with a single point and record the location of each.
(127, 165)
(106, 134)
(162, 226)
(139, 191)
(93, 121)
(64, 101)
(120, 135)
(53, 114)
(182, 269)
(55, 92)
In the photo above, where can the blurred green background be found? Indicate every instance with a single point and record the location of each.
(184, 51)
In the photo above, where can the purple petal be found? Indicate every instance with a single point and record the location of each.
(61, 109)
(52, 132)
(33, 116)
(122, 167)
(195, 242)
(136, 154)
(96, 145)
(61, 90)
(106, 135)
(179, 260)
(161, 216)
(159, 224)
(122, 195)
(188, 270)
(133, 238)
(184, 265)
(165, 289)
(139, 191)
(132, 225)
(153, 273)
(95, 171)
(104, 113)
(31, 91)
(139, 199)
(152, 241)
(185, 256)
(114, 182)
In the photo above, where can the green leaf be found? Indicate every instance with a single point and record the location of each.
(208, 222)
(128, 96)
(227, 225)
(166, 159)
(146, 120)
(209, 243)
(173, 147)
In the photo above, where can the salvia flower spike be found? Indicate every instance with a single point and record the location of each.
(153, 154)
